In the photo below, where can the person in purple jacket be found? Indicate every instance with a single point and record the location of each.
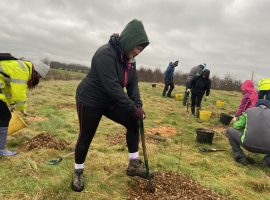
(249, 99)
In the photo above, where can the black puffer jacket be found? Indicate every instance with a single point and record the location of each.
(103, 85)
(201, 84)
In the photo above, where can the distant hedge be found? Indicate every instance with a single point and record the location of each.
(144, 74)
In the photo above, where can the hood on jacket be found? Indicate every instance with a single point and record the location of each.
(263, 102)
(247, 86)
(205, 73)
(133, 35)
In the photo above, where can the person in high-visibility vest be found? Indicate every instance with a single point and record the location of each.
(16, 76)
(264, 88)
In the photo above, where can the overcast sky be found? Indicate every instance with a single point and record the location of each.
(230, 36)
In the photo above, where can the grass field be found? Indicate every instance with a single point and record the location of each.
(27, 176)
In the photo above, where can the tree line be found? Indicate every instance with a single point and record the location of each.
(156, 76)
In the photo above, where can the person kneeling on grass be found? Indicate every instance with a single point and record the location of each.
(251, 131)
(101, 93)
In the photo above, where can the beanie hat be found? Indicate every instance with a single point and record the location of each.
(41, 68)
(263, 102)
(175, 63)
(202, 65)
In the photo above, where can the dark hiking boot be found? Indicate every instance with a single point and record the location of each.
(77, 183)
(243, 160)
(136, 168)
(266, 162)
(198, 112)
(192, 110)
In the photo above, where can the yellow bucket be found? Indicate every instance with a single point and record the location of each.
(220, 103)
(179, 97)
(205, 115)
(16, 123)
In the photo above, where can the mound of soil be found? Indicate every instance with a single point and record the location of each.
(44, 140)
(164, 131)
(170, 185)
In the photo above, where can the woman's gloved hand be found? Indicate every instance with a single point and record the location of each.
(138, 113)
(188, 90)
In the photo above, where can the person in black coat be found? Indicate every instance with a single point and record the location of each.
(102, 93)
(198, 87)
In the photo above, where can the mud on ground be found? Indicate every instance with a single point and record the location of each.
(169, 186)
(45, 140)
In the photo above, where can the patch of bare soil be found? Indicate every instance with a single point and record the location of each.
(165, 131)
(171, 186)
(45, 140)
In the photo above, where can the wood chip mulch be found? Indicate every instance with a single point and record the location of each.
(45, 140)
(169, 186)
(165, 131)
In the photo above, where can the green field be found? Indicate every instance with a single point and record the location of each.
(27, 176)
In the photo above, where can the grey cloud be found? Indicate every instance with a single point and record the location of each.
(231, 36)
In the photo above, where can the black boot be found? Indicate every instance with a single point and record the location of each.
(77, 183)
(136, 168)
(198, 111)
(242, 160)
(192, 110)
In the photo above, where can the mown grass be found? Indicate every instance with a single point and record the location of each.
(27, 176)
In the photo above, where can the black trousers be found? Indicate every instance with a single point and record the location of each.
(166, 87)
(89, 118)
(196, 100)
(5, 114)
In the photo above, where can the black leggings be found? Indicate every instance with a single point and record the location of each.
(89, 119)
(5, 114)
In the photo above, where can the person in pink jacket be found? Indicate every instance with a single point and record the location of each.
(249, 99)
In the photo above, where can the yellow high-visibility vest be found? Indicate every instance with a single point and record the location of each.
(14, 75)
(264, 84)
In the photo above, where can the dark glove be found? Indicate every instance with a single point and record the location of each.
(138, 113)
